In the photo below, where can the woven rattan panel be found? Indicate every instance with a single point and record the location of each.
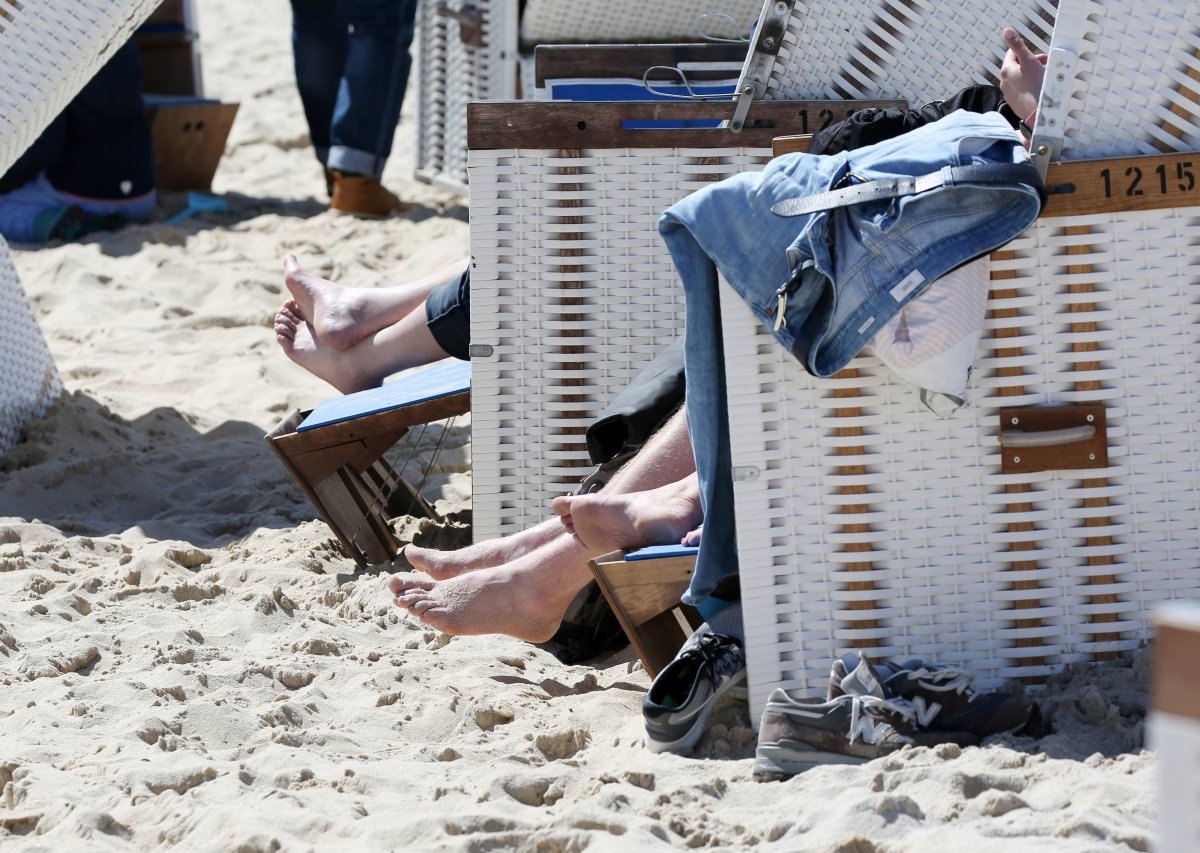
(632, 21)
(864, 521)
(28, 379)
(574, 292)
(918, 50)
(1136, 86)
(457, 67)
(48, 51)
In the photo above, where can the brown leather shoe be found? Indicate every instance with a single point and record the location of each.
(364, 196)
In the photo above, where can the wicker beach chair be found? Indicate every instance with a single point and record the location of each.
(472, 50)
(48, 51)
(865, 522)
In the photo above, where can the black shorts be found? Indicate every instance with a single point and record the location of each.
(448, 315)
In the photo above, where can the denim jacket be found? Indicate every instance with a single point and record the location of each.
(852, 268)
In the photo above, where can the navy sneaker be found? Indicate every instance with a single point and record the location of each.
(679, 701)
(941, 695)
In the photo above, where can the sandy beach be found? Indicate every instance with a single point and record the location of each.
(187, 660)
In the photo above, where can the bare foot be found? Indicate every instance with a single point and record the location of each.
(334, 311)
(604, 523)
(441, 565)
(299, 341)
(692, 537)
(525, 599)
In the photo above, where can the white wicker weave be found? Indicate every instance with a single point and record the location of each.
(29, 381)
(48, 51)
(864, 521)
(454, 72)
(632, 21)
(1132, 78)
(572, 293)
(911, 49)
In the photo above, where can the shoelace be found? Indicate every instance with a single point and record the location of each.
(943, 679)
(715, 651)
(870, 730)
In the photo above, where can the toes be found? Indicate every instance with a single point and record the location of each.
(561, 506)
(401, 585)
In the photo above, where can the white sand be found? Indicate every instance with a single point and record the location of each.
(186, 659)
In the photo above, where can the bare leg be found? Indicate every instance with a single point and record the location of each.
(604, 522)
(666, 457)
(482, 555)
(343, 316)
(527, 596)
(407, 343)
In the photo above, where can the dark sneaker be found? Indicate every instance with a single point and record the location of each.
(679, 701)
(941, 695)
(797, 735)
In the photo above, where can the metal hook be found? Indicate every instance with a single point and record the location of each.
(723, 16)
(692, 94)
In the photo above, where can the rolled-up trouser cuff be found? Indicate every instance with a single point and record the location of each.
(352, 160)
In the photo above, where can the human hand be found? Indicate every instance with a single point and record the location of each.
(1021, 74)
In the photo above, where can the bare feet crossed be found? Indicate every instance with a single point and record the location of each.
(300, 342)
(604, 522)
(525, 598)
(335, 313)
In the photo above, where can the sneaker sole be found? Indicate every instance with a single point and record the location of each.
(692, 736)
(783, 760)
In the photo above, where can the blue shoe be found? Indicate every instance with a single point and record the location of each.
(679, 701)
(30, 214)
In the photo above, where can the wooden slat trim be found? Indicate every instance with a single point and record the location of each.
(570, 124)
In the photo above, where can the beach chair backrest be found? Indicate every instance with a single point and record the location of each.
(865, 521)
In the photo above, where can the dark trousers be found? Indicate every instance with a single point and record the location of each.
(352, 65)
